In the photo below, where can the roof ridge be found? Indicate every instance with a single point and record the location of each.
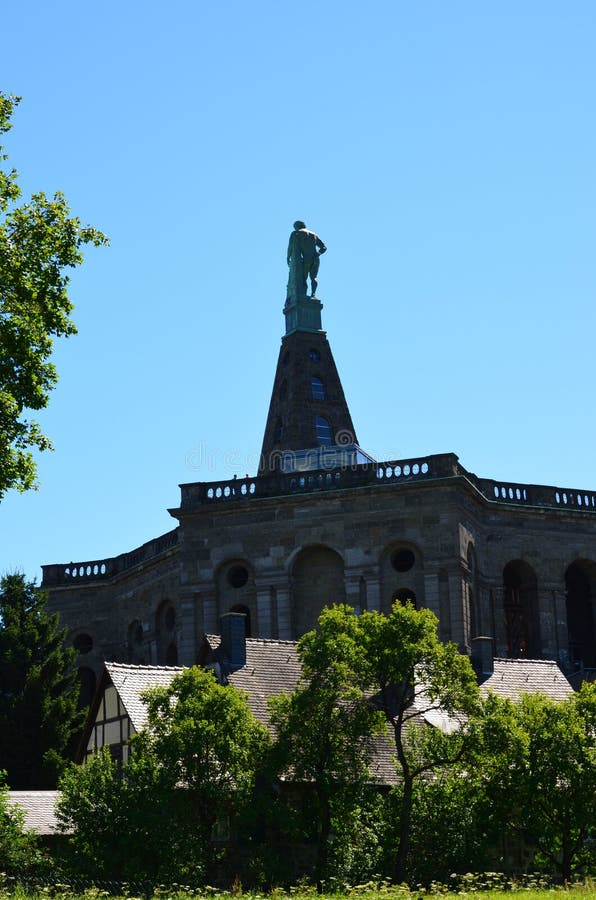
(542, 662)
(118, 665)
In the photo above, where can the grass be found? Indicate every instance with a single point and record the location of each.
(476, 887)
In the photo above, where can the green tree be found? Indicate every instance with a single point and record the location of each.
(19, 853)
(38, 687)
(39, 240)
(196, 758)
(324, 728)
(417, 677)
(122, 828)
(540, 759)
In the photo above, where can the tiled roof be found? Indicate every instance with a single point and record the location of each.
(271, 667)
(512, 677)
(39, 809)
(130, 682)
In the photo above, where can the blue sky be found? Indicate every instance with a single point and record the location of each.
(444, 150)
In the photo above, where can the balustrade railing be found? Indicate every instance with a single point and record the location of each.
(276, 484)
(102, 569)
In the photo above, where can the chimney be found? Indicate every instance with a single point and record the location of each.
(482, 657)
(233, 640)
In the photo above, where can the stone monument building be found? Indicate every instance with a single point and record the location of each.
(323, 522)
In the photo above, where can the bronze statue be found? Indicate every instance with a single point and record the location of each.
(304, 249)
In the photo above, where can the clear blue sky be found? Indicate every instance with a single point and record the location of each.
(445, 151)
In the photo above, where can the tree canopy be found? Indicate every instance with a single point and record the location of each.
(196, 760)
(539, 765)
(38, 687)
(324, 728)
(39, 240)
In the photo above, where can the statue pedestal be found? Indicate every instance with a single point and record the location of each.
(303, 314)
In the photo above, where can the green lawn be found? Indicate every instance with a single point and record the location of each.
(473, 889)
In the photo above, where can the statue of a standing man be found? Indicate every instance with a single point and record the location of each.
(304, 249)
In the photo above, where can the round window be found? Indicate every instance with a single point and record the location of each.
(403, 560)
(238, 576)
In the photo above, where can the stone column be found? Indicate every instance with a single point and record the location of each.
(499, 619)
(187, 634)
(431, 593)
(373, 593)
(460, 624)
(352, 582)
(284, 614)
(562, 634)
(208, 606)
(547, 618)
(264, 621)
(485, 613)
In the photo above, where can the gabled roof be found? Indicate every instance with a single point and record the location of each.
(512, 677)
(130, 682)
(39, 809)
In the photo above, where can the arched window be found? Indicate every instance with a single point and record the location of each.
(580, 582)
(318, 388)
(165, 632)
(520, 603)
(324, 434)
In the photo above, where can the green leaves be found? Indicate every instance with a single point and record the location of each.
(539, 762)
(38, 241)
(38, 687)
(197, 757)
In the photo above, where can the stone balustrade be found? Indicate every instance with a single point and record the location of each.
(103, 569)
(537, 495)
(279, 484)
(428, 468)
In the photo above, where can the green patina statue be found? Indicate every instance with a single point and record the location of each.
(304, 249)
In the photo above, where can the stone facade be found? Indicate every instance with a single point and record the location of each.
(510, 562)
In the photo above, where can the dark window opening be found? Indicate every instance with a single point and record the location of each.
(170, 618)
(580, 615)
(314, 355)
(403, 560)
(519, 611)
(237, 576)
(405, 595)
